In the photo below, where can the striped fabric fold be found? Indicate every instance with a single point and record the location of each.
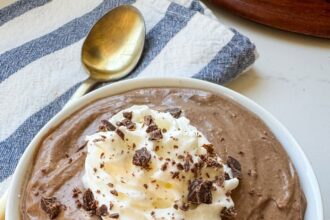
(18, 8)
(40, 57)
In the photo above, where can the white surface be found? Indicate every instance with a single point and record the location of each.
(305, 172)
(291, 79)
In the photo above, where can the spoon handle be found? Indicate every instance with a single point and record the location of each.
(82, 90)
(3, 202)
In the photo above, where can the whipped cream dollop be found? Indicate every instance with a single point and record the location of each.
(146, 164)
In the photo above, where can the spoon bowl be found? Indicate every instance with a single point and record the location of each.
(114, 45)
(112, 48)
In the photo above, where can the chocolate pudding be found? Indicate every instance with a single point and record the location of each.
(268, 187)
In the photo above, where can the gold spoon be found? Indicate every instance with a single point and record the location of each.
(113, 47)
(111, 51)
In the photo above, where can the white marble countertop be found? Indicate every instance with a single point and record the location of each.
(291, 79)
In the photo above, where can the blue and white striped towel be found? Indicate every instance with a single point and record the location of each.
(40, 68)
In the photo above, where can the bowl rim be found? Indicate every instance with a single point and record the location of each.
(302, 165)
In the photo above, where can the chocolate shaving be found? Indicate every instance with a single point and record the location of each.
(235, 167)
(195, 170)
(82, 147)
(127, 123)
(120, 134)
(89, 203)
(51, 206)
(141, 157)
(78, 204)
(209, 148)
(102, 211)
(180, 157)
(114, 215)
(180, 166)
(199, 191)
(155, 135)
(148, 120)
(186, 166)
(114, 192)
(151, 128)
(128, 115)
(75, 192)
(175, 112)
(106, 126)
(212, 162)
(164, 166)
(175, 175)
(229, 213)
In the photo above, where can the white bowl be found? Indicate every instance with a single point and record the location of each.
(307, 177)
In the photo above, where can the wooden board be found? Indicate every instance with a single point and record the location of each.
(311, 17)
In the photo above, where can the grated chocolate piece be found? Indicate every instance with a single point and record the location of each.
(175, 175)
(148, 120)
(51, 206)
(127, 123)
(175, 112)
(114, 215)
(212, 162)
(120, 134)
(155, 135)
(89, 203)
(102, 211)
(114, 192)
(186, 166)
(180, 166)
(209, 148)
(106, 126)
(228, 213)
(199, 191)
(151, 128)
(164, 166)
(141, 157)
(82, 146)
(128, 115)
(235, 167)
(75, 192)
(78, 203)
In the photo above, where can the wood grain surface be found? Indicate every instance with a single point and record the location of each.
(311, 17)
